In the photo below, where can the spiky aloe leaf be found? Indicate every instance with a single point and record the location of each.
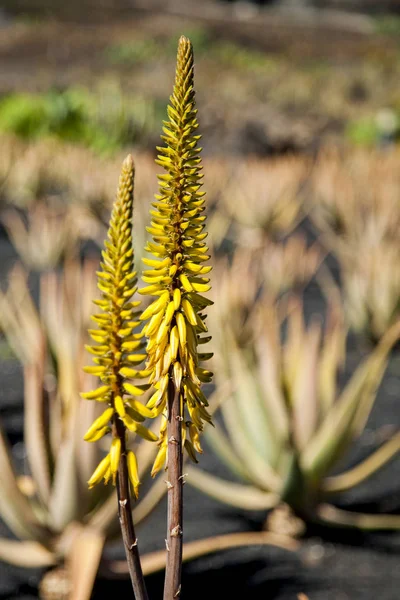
(29, 554)
(347, 417)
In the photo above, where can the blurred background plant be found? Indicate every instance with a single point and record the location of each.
(103, 120)
(59, 522)
(355, 205)
(285, 424)
(260, 201)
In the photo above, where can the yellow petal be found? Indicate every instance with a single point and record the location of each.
(99, 472)
(96, 394)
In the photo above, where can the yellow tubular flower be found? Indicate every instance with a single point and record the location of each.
(117, 346)
(176, 274)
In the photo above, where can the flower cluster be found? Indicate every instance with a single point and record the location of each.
(176, 274)
(118, 349)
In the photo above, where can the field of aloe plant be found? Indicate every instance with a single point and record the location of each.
(292, 492)
(298, 421)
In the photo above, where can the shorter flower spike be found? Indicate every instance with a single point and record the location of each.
(117, 343)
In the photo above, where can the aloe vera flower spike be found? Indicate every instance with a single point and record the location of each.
(117, 354)
(118, 348)
(176, 277)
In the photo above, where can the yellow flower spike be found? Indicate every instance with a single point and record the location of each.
(177, 226)
(96, 394)
(133, 472)
(115, 455)
(154, 323)
(174, 342)
(97, 350)
(189, 311)
(97, 435)
(116, 343)
(140, 408)
(167, 360)
(178, 373)
(95, 370)
(150, 289)
(159, 460)
(187, 286)
(169, 313)
(100, 471)
(159, 264)
(153, 401)
(134, 390)
(119, 406)
(141, 430)
(162, 332)
(99, 423)
(181, 323)
(155, 307)
(177, 298)
(194, 437)
(190, 451)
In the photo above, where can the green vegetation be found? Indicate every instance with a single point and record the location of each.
(363, 132)
(142, 51)
(388, 25)
(230, 54)
(104, 120)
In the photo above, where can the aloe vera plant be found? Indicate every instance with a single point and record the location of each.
(261, 201)
(355, 207)
(49, 508)
(287, 425)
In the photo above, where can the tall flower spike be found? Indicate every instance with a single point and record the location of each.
(176, 275)
(117, 350)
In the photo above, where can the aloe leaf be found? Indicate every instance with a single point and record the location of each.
(304, 396)
(35, 428)
(30, 555)
(347, 417)
(363, 470)
(83, 562)
(259, 472)
(15, 509)
(221, 445)
(251, 406)
(336, 517)
(64, 505)
(105, 516)
(241, 496)
(269, 377)
(144, 506)
(294, 347)
(19, 317)
(155, 561)
(331, 357)
(87, 455)
(145, 452)
(251, 435)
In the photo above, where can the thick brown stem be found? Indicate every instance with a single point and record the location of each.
(172, 583)
(125, 519)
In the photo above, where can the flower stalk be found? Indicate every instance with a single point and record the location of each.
(173, 572)
(115, 358)
(176, 319)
